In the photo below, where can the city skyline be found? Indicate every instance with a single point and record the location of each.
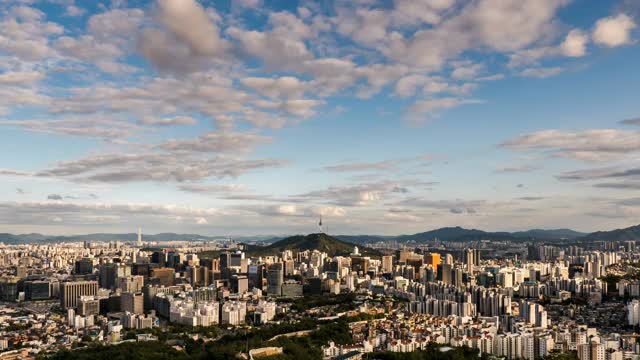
(258, 117)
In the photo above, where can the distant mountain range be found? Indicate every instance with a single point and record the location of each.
(460, 234)
(630, 233)
(443, 234)
(39, 238)
(321, 242)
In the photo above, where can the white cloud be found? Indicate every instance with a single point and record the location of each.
(575, 44)
(87, 48)
(189, 40)
(87, 213)
(189, 22)
(73, 10)
(10, 172)
(367, 26)
(407, 85)
(378, 76)
(177, 120)
(500, 25)
(21, 77)
(26, 35)
(424, 109)
(216, 142)
(467, 71)
(587, 145)
(212, 188)
(277, 50)
(300, 107)
(329, 211)
(26, 13)
(362, 195)
(614, 30)
(116, 23)
(95, 127)
(173, 161)
(285, 86)
(418, 12)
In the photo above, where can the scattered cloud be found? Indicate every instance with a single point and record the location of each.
(156, 167)
(516, 169)
(212, 188)
(21, 77)
(11, 172)
(575, 44)
(285, 86)
(452, 206)
(73, 10)
(619, 185)
(98, 127)
(601, 173)
(423, 110)
(216, 142)
(364, 166)
(541, 72)
(180, 48)
(178, 120)
(378, 165)
(586, 145)
(614, 30)
(367, 194)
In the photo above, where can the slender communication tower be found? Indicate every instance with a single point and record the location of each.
(320, 225)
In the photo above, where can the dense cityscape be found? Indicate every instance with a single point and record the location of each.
(500, 300)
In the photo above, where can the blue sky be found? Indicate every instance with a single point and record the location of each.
(257, 117)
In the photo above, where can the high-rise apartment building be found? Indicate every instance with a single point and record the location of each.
(387, 264)
(133, 303)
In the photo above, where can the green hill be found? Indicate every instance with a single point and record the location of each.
(630, 233)
(320, 242)
(455, 234)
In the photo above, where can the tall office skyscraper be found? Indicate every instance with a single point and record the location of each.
(139, 243)
(84, 266)
(275, 278)
(444, 273)
(432, 259)
(471, 258)
(70, 292)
